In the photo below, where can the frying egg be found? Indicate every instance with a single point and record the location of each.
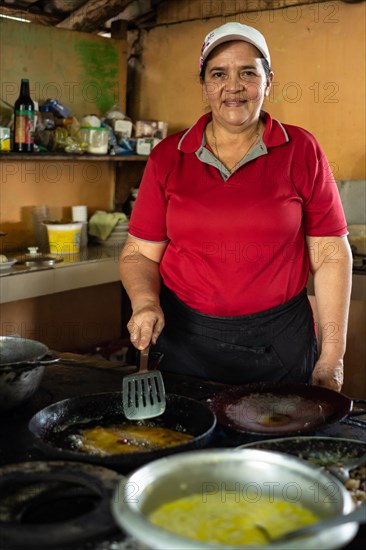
(126, 438)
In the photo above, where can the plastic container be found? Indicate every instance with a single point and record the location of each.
(96, 138)
(79, 213)
(39, 215)
(48, 117)
(64, 238)
(5, 139)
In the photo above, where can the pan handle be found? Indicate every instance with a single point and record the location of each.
(50, 358)
(358, 412)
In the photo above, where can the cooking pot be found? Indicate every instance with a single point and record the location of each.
(280, 409)
(205, 472)
(22, 363)
(49, 425)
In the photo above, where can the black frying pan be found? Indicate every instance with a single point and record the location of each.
(279, 409)
(181, 413)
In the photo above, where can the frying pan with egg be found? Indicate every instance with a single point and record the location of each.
(51, 428)
(280, 409)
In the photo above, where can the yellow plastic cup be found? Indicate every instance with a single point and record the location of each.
(64, 238)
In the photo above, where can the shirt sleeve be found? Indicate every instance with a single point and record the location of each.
(323, 213)
(148, 217)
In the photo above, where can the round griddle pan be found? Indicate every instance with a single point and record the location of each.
(279, 409)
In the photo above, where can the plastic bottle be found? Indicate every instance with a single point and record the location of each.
(47, 117)
(23, 137)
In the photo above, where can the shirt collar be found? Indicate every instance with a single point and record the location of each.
(191, 140)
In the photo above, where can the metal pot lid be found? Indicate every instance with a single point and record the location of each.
(38, 260)
(15, 350)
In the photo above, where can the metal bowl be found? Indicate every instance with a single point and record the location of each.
(22, 363)
(173, 477)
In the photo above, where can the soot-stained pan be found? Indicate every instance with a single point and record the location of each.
(321, 451)
(333, 453)
(279, 409)
(49, 425)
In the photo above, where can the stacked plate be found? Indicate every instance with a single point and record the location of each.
(117, 237)
(7, 264)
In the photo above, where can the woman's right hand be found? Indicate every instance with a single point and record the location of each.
(145, 325)
(140, 276)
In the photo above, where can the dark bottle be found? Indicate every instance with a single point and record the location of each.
(23, 136)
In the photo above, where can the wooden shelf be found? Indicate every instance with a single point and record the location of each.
(70, 157)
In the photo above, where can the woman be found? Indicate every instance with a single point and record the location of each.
(231, 215)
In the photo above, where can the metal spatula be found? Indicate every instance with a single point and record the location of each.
(143, 393)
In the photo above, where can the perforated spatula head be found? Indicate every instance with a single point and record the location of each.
(143, 393)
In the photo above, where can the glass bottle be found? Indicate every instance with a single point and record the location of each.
(23, 137)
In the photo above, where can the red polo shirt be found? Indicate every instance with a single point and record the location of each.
(236, 242)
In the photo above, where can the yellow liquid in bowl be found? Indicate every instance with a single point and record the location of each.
(229, 519)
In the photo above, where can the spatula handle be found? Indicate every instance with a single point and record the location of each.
(144, 359)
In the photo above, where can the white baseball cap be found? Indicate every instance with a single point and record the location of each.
(234, 31)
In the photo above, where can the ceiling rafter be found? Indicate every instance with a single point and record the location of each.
(39, 18)
(91, 15)
(96, 16)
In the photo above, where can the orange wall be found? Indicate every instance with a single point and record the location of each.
(318, 57)
(57, 184)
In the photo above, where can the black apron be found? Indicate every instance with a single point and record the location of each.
(276, 345)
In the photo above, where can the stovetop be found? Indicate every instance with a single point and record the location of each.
(74, 376)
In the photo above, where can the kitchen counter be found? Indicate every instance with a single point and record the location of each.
(93, 266)
(79, 375)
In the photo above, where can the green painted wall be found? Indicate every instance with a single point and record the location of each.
(86, 73)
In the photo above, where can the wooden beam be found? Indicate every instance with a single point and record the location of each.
(47, 20)
(93, 14)
(119, 29)
(174, 11)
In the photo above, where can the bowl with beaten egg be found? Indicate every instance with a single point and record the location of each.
(227, 498)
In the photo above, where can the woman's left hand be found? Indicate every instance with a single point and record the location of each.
(328, 374)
